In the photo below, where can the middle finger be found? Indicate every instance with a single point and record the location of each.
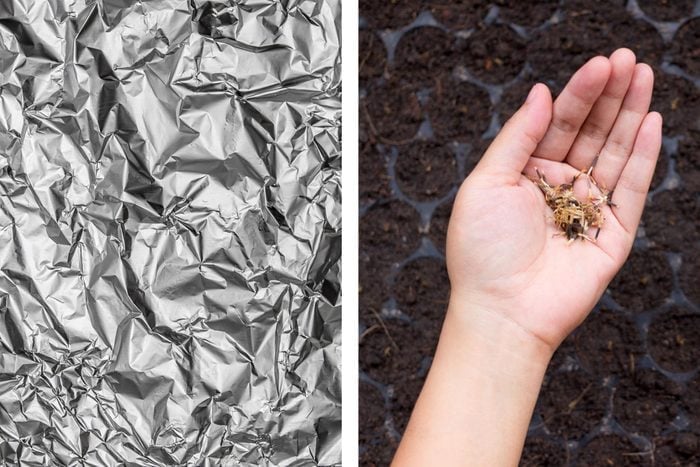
(618, 146)
(596, 128)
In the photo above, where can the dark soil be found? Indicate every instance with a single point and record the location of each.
(429, 113)
(678, 450)
(426, 170)
(692, 402)
(424, 53)
(661, 170)
(688, 165)
(676, 98)
(389, 233)
(372, 416)
(667, 10)
(572, 403)
(391, 14)
(564, 359)
(513, 97)
(391, 347)
(671, 219)
(420, 292)
(438, 225)
(646, 402)
(644, 282)
(459, 14)
(686, 47)
(494, 54)
(690, 272)
(674, 340)
(612, 451)
(397, 351)
(374, 435)
(538, 452)
(586, 30)
(404, 398)
(529, 14)
(390, 241)
(372, 295)
(373, 162)
(608, 343)
(458, 111)
(393, 111)
(372, 61)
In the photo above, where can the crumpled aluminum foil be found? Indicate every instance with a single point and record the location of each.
(169, 232)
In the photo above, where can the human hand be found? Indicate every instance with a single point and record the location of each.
(503, 258)
(517, 289)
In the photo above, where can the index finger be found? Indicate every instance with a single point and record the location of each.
(572, 107)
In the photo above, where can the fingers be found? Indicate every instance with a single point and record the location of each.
(633, 185)
(510, 151)
(595, 129)
(619, 144)
(572, 108)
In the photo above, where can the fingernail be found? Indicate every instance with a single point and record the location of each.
(531, 94)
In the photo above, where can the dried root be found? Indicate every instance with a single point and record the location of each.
(572, 216)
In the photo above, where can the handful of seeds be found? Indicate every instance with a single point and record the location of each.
(572, 216)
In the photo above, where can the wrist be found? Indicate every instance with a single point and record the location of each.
(493, 337)
(478, 399)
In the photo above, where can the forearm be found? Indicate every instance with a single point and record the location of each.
(479, 396)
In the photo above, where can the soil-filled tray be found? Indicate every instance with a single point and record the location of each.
(438, 79)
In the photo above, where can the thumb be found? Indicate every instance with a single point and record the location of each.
(517, 140)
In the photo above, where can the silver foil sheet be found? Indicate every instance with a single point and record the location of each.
(169, 232)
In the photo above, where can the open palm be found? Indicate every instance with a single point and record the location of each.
(502, 251)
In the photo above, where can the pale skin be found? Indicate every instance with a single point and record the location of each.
(517, 289)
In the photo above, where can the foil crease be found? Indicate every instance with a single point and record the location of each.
(170, 232)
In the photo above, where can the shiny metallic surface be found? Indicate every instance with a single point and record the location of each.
(170, 232)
